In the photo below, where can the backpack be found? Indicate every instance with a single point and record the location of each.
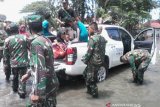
(98, 55)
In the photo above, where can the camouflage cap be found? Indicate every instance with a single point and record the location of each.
(12, 26)
(34, 18)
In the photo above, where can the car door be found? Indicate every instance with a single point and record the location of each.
(126, 40)
(115, 45)
(146, 39)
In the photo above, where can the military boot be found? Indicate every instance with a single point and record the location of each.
(140, 82)
(94, 92)
(89, 90)
(22, 95)
(135, 79)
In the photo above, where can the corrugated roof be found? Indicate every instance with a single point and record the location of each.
(153, 23)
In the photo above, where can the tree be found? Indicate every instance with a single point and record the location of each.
(80, 7)
(42, 7)
(36, 7)
(128, 13)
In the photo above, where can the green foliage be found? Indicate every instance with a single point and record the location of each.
(41, 7)
(127, 13)
(36, 7)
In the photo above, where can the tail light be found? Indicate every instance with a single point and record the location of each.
(71, 55)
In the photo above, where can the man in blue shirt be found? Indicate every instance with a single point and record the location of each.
(45, 25)
(83, 34)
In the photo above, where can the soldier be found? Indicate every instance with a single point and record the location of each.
(139, 60)
(94, 58)
(66, 15)
(45, 81)
(3, 36)
(15, 56)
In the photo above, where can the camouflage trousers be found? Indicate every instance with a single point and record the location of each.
(17, 85)
(1, 54)
(91, 79)
(138, 74)
(49, 102)
(7, 71)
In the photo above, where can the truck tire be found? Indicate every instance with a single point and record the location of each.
(102, 73)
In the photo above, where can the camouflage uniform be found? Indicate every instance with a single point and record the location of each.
(3, 36)
(15, 56)
(94, 58)
(139, 60)
(7, 69)
(45, 81)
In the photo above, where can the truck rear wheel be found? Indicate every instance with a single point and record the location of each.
(103, 71)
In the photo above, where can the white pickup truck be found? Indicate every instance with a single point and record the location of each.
(119, 42)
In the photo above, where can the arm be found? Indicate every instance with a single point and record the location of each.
(88, 55)
(78, 34)
(59, 17)
(26, 76)
(6, 57)
(74, 14)
(132, 63)
(59, 21)
(38, 63)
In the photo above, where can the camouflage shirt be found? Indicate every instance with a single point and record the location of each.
(3, 36)
(96, 50)
(45, 81)
(136, 56)
(15, 51)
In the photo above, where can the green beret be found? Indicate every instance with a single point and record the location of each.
(34, 18)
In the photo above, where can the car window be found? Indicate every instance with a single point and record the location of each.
(124, 34)
(113, 34)
(126, 40)
(145, 36)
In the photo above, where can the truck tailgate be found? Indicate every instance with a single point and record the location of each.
(57, 66)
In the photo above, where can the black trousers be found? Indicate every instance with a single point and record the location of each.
(1, 54)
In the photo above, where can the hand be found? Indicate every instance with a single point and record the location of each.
(62, 23)
(1, 48)
(24, 78)
(34, 98)
(83, 60)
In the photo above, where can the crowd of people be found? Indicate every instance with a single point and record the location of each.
(27, 52)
